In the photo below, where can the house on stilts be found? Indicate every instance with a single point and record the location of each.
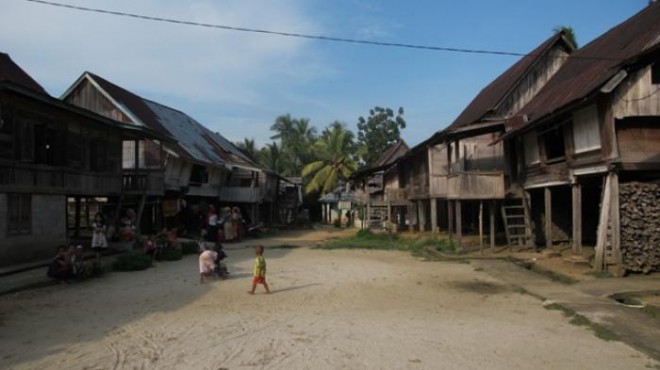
(588, 148)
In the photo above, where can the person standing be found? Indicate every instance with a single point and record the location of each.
(259, 270)
(99, 240)
(237, 222)
(212, 224)
(228, 225)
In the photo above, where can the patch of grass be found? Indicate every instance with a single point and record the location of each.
(600, 274)
(553, 275)
(479, 269)
(579, 320)
(284, 246)
(520, 290)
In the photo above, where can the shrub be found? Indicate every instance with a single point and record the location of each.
(337, 222)
(132, 261)
(189, 248)
(94, 269)
(364, 233)
(171, 254)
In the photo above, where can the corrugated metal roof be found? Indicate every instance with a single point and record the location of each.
(11, 72)
(194, 141)
(490, 98)
(590, 67)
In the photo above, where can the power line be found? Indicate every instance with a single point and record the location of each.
(292, 34)
(279, 33)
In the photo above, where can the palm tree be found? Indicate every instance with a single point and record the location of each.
(334, 148)
(271, 158)
(283, 127)
(249, 148)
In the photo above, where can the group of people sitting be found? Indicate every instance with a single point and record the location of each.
(227, 226)
(68, 264)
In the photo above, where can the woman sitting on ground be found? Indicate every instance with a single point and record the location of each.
(59, 266)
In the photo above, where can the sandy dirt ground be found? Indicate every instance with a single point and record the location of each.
(329, 310)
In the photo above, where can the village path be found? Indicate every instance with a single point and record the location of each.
(329, 310)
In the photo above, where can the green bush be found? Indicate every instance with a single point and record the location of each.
(94, 269)
(364, 233)
(132, 261)
(189, 248)
(171, 254)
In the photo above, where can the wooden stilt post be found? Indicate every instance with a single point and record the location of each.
(481, 226)
(450, 219)
(577, 219)
(411, 227)
(548, 218)
(76, 232)
(459, 225)
(492, 225)
(616, 222)
(434, 216)
(603, 220)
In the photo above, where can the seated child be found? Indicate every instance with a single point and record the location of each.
(59, 266)
(78, 263)
(221, 268)
(207, 264)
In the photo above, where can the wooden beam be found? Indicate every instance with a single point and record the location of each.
(410, 218)
(616, 222)
(389, 214)
(434, 216)
(603, 220)
(577, 219)
(481, 226)
(421, 215)
(76, 232)
(548, 217)
(491, 209)
(459, 224)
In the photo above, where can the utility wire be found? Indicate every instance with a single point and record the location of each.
(292, 34)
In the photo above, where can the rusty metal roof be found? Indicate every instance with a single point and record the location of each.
(11, 72)
(193, 140)
(592, 66)
(490, 98)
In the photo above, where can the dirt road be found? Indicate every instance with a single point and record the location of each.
(329, 310)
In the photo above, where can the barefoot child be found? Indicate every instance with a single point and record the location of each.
(259, 270)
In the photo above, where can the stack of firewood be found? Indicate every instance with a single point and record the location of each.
(640, 226)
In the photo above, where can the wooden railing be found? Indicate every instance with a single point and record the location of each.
(21, 177)
(241, 194)
(476, 185)
(150, 182)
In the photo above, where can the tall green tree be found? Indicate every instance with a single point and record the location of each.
(271, 157)
(335, 150)
(249, 148)
(377, 132)
(296, 137)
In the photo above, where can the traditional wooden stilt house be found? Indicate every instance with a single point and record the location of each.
(51, 154)
(589, 148)
(377, 193)
(454, 177)
(201, 167)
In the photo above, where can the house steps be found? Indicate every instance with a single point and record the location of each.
(517, 225)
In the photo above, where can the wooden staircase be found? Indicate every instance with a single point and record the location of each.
(517, 225)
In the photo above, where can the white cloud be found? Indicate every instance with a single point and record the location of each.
(179, 62)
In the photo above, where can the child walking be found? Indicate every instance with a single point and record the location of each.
(259, 270)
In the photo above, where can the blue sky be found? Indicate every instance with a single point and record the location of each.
(237, 83)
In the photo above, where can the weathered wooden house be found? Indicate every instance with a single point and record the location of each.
(201, 166)
(589, 147)
(51, 152)
(377, 191)
(452, 177)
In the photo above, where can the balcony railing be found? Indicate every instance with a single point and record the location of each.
(476, 185)
(150, 182)
(39, 178)
(241, 194)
